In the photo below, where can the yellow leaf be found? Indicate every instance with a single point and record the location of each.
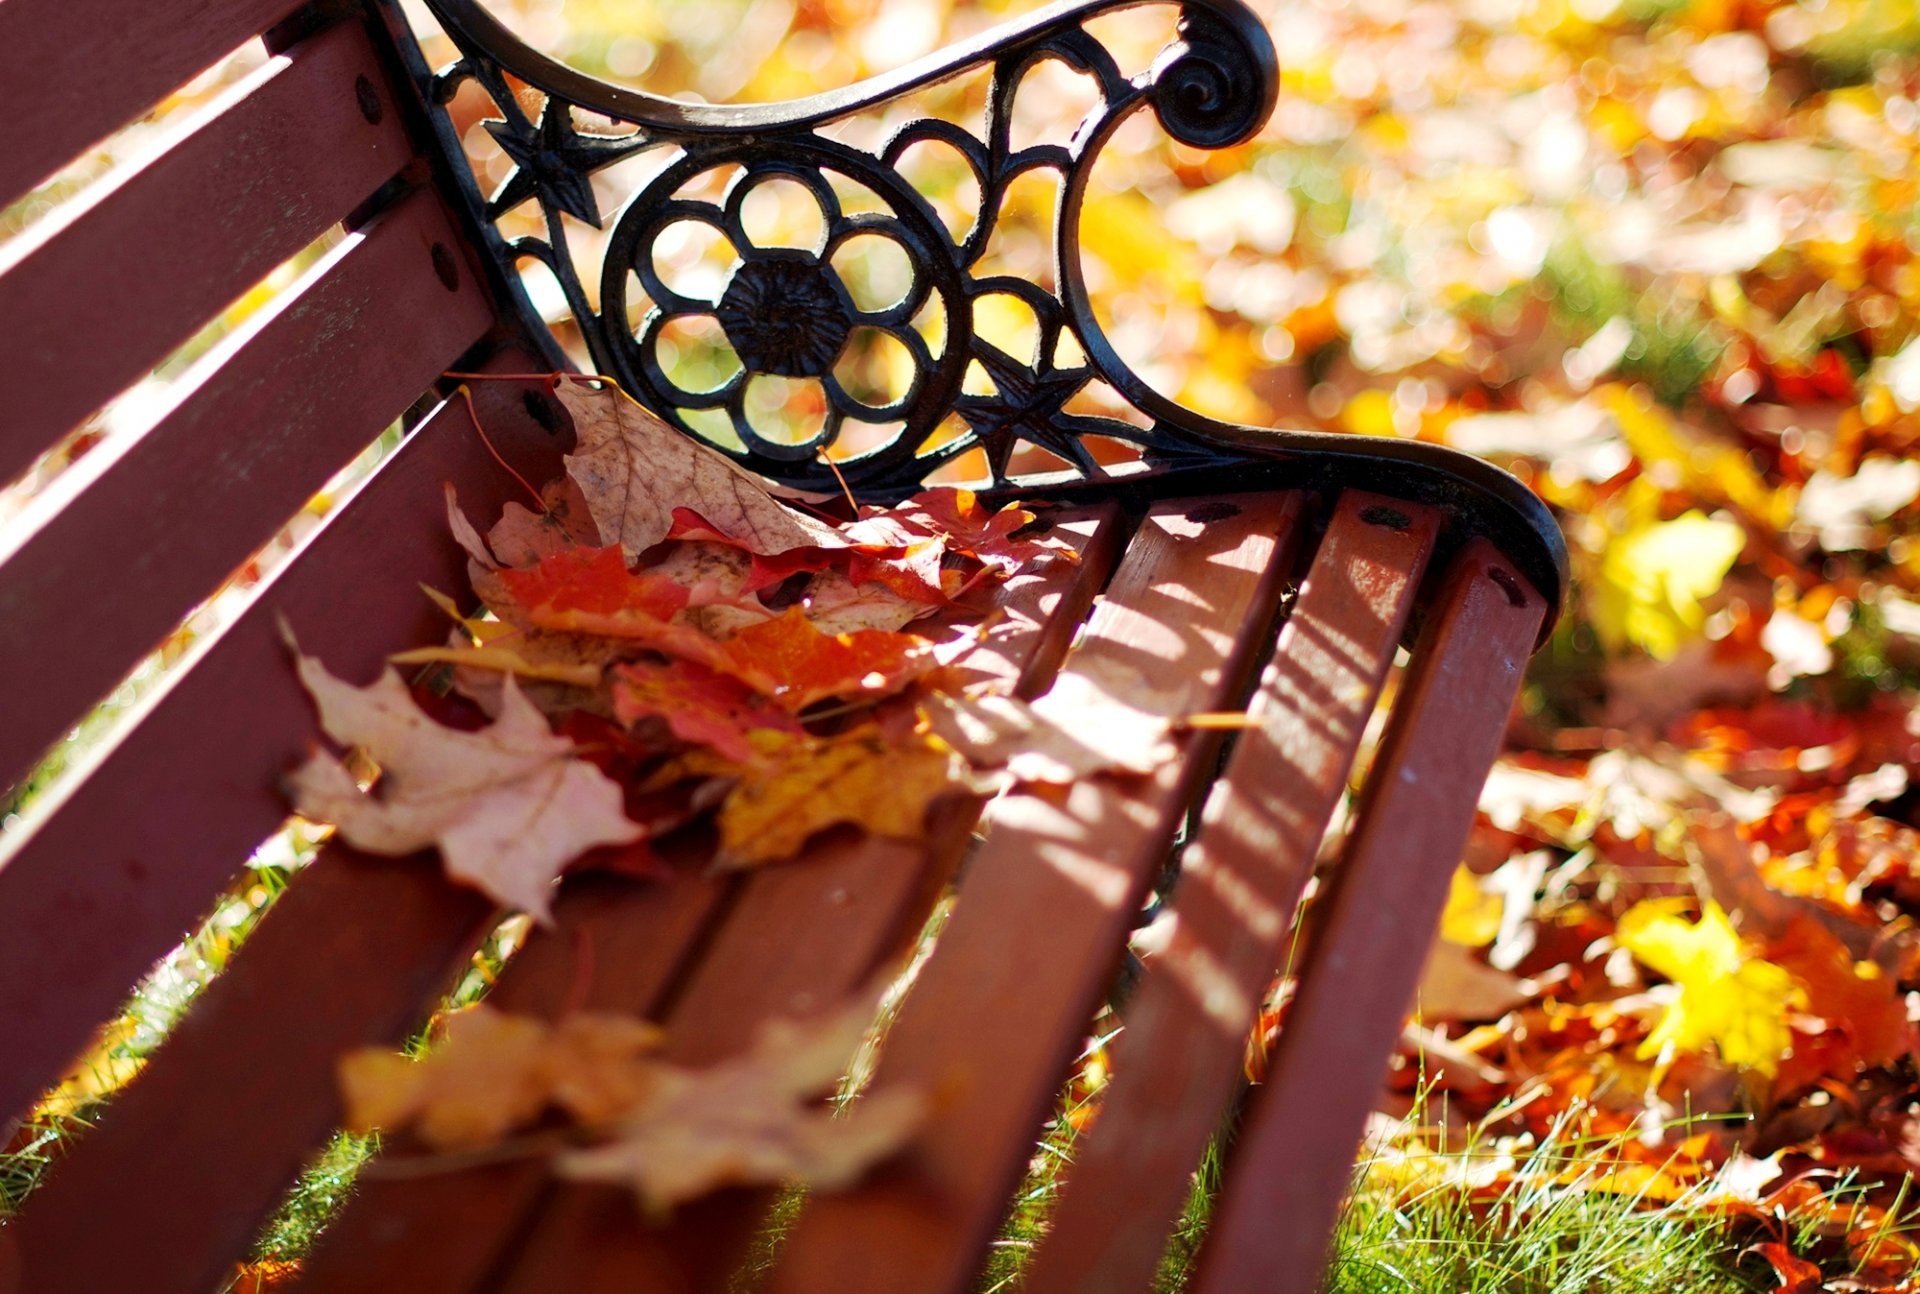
(1652, 580)
(1472, 916)
(807, 786)
(1734, 1002)
(493, 1072)
(1715, 470)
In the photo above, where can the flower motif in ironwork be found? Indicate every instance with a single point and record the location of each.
(786, 314)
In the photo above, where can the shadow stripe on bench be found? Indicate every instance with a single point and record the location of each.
(1178, 1062)
(131, 268)
(1295, 1156)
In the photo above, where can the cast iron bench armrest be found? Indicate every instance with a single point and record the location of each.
(785, 312)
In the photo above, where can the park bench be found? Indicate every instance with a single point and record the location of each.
(1223, 569)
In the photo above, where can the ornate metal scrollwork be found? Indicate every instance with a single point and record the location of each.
(785, 311)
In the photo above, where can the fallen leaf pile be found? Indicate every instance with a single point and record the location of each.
(706, 650)
(665, 645)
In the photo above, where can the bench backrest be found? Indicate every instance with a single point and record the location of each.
(104, 871)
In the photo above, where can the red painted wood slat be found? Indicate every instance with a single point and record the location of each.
(134, 55)
(860, 893)
(133, 267)
(1292, 1164)
(352, 955)
(150, 524)
(1042, 912)
(1178, 1062)
(107, 877)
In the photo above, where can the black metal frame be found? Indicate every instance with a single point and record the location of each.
(785, 312)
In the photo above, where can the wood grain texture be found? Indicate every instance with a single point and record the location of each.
(105, 877)
(134, 55)
(1178, 1062)
(1042, 912)
(124, 273)
(1292, 1164)
(110, 556)
(796, 938)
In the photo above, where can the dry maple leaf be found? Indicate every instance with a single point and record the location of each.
(801, 786)
(576, 660)
(699, 705)
(522, 536)
(491, 1073)
(634, 470)
(754, 1120)
(837, 605)
(509, 806)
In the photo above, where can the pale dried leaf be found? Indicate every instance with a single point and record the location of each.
(635, 470)
(509, 806)
(755, 1120)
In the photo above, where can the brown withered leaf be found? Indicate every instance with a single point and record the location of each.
(753, 1120)
(508, 806)
(634, 470)
(837, 605)
(522, 536)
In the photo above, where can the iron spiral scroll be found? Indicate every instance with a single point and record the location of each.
(786, 312)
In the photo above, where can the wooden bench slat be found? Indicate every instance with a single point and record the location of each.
(236, 1101)
(137, 264)
(126, 860)
(1037, 928)
(352, 955)
(135, 55)
(396, 1229)
(121, 546)
(1178, 1060)
(1295, 1157)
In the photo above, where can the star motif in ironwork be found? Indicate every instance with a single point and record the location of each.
(1023, 406)
(553, 161)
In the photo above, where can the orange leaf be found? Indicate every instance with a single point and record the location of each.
(580, 588)
(1797, 1275)
(1866, 1021)
(790, 661)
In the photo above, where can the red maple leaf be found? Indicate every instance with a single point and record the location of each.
(699, 705)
